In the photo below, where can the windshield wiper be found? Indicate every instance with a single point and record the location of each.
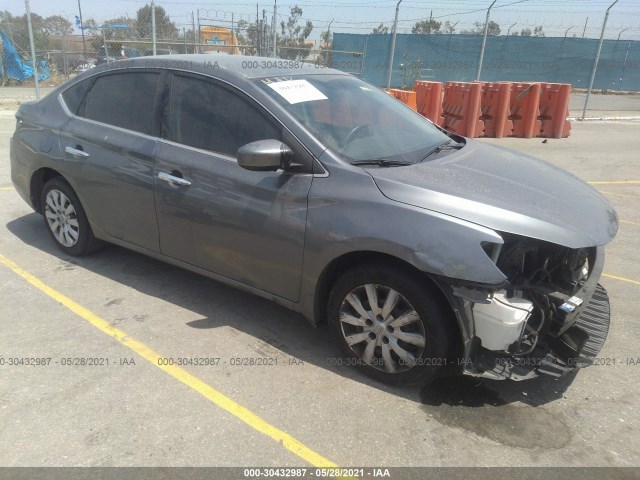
(381, 162)
(441, 147)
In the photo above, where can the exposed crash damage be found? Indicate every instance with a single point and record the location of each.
(547, 314)
(551, 316)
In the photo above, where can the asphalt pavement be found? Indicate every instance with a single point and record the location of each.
(294, 406)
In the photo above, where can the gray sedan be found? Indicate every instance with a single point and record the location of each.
(425, 252)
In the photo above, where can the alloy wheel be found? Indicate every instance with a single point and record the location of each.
(62, 218)
(382, 328)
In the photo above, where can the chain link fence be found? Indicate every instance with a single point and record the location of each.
(385, 42)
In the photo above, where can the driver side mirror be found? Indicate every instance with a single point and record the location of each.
(265, 156)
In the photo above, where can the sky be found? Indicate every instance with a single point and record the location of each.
(557, 17)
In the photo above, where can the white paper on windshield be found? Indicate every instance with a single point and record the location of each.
(296, 91)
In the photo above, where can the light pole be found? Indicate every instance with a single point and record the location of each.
(33, 49)
(84, 46)
(275, 19)
(153, 26)
(595, 63)
(567, 31)
(393, 45)
(622, 31)
(484, 41)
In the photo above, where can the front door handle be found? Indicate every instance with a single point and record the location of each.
(76, 152)
(174, 180)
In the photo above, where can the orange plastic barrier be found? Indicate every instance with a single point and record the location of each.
(524, 111)
(554, 110)
(407, 97)
(494, 108)
(429, 100)
(461, 108)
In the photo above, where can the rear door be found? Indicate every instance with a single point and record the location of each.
(247, 226)
(110, 144)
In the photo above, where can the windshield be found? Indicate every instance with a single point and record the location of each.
(355, 120)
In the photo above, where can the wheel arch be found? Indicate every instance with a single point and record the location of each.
(38, 180)
(349, 260)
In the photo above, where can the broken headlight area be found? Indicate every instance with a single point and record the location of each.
(550, 316)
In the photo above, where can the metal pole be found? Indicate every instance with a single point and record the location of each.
(275, 38)
(624, 66)
(153, 25)
(510, 27)
(329, 32)
(393, 44)
(33, 49)
(595, 63)
(585, 26)
(622, 31)
(199, 32)
(184, 38)
(84, 46)
(327, 44)
(484, 41)
(193, 29)
(567, 31)
(104, 43)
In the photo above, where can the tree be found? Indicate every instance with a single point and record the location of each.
(382, 28)
(120, 33)
(448, 28)
(165, 28)
(537, 31)
(326, 44)
(493, 29)
(427, 27)
(247, 34)
(58, 25)
(16, 28)
(292, 42)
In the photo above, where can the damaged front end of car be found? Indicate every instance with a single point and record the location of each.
(550, 316)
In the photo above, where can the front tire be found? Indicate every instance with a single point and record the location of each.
(388, 322)
(65, 219)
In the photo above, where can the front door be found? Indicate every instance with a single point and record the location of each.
(245, 225)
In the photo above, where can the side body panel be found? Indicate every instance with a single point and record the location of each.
(247, 226)
(115, 181)
(347, 213)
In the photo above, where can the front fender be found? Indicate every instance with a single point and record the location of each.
(347, 213)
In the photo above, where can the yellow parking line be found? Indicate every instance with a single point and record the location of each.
(619, 194)
(6, 187)
(221, 400)
(621, 278)
(619, 182)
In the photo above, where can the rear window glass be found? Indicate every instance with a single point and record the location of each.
(73, 95)
(125, 100)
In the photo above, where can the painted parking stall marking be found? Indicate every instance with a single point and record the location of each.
(218, 398)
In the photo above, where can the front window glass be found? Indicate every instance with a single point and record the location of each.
(206, 115)
(354, 119)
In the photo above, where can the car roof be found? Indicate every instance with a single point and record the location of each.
(229, 65)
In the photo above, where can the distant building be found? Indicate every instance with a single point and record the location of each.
(219, 39)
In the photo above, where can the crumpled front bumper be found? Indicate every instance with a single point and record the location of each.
(578, 347)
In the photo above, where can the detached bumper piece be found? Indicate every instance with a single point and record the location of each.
(575, 348)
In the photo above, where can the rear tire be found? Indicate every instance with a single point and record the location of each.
(65, 219)
(388, 322)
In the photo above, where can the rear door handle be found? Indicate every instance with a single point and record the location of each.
(173, 179)
(76, 152)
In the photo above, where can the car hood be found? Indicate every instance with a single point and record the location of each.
(506, 191)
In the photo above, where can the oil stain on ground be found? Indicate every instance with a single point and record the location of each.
(497, 413)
